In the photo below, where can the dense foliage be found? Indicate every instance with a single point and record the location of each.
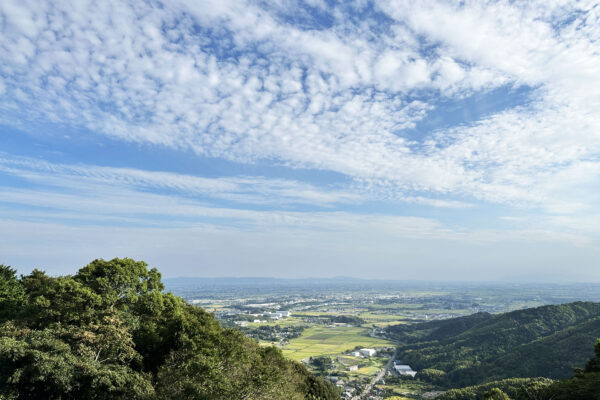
(347, 319)
(111, 332)
(545, 341)
(516, 388)
(585, 385)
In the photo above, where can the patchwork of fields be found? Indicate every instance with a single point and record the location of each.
(326, 340)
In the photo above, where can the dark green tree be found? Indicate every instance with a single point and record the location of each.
(593, 365)
(61, 300)
(120, 282)
(110, 332)
(11, 293)
(495, 394)
(322, 363)
(69, 363)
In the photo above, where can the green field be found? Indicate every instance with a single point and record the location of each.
(324, 340)
(370, 370)
(409, 387)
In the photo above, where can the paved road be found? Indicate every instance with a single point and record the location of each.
(376, 378)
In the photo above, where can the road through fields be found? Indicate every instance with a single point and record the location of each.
(376, 378)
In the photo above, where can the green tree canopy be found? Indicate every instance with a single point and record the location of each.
(11, 293)
(111, 332)
(120, 281)
(593, 364)
(495, 394)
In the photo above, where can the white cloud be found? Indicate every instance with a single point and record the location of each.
(335, 98)
(99, 196)
(244, 189)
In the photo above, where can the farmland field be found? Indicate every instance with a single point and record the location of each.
(325, 340)
(328, 319)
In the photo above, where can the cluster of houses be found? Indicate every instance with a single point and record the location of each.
(347, 391)
(277, 315)
(268, 315)
(361, 353)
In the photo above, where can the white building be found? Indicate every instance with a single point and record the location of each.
(355, 354)
(367, 352)
(353, 368)
(277, 315)
(404, 370)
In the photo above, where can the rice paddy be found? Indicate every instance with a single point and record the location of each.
(330, 340)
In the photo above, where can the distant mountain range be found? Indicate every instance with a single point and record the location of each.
(257, 281)
(188, 282)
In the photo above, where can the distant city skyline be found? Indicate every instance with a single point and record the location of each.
(443, 140)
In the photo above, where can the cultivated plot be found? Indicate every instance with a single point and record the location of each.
(325, 340)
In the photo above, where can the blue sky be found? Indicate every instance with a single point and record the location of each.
(451, 140)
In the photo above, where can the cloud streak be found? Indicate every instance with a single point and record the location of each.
(235, 80)
(304, 86)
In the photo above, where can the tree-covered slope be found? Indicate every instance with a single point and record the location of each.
(544, 341)
(110, 332)
(585, 385)
(515, 388)
(437, 330)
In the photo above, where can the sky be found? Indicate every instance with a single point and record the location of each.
(446, 140)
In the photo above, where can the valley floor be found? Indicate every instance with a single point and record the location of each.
(325, 326)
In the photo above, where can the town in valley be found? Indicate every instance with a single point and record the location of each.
(337, 327)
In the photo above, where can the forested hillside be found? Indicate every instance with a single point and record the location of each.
(585, 385)
(545, 341)
(111, 332)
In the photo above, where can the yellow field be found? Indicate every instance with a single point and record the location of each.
(370, 370)
(324, 340)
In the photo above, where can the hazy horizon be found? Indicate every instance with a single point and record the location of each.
(366, 279)
(442, 140)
